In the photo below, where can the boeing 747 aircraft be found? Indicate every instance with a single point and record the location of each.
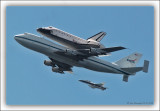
(63, 59)
(91, 45)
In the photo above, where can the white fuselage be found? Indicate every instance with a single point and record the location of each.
(48, 48)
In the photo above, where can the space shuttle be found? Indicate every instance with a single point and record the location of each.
(91, 45)
(70, 40)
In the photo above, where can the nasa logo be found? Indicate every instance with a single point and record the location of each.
(132, 61)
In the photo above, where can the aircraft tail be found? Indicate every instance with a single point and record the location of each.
(97, 37)
(133, 70)
(129, 61)
(128, 64)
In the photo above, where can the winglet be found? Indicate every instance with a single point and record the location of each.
(146, 65)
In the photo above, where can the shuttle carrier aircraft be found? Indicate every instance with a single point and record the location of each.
(64, 58)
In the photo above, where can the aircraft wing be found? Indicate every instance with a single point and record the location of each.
(112, 49)
(86, 81)
(101, 51)
(81, 54)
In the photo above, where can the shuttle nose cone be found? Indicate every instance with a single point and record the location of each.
(39, 29)
(43, 31)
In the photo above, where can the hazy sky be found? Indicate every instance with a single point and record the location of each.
(30, 82)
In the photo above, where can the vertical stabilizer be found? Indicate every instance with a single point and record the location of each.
(129, 61)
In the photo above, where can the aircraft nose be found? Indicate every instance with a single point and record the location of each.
(16, 37)
(43, 31)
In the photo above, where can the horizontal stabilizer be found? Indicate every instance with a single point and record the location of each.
(133, 69)
(125, 78)
(146, 65)
(98, 37)
(112, 49)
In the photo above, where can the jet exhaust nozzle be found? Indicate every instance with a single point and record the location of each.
(56, 69)
(48, 63)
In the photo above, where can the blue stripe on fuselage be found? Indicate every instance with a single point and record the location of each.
(109, 66)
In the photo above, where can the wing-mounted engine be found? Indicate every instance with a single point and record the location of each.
(54, 67)
(49, 63)
(57, 69)
(57, 66)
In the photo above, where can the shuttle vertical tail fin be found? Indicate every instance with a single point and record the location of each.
(98, 37)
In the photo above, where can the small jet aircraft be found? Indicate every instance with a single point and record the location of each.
(63, 59)
(92, 45)
(94, 85)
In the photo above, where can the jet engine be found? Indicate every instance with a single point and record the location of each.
(56, 69)
(48, 63)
